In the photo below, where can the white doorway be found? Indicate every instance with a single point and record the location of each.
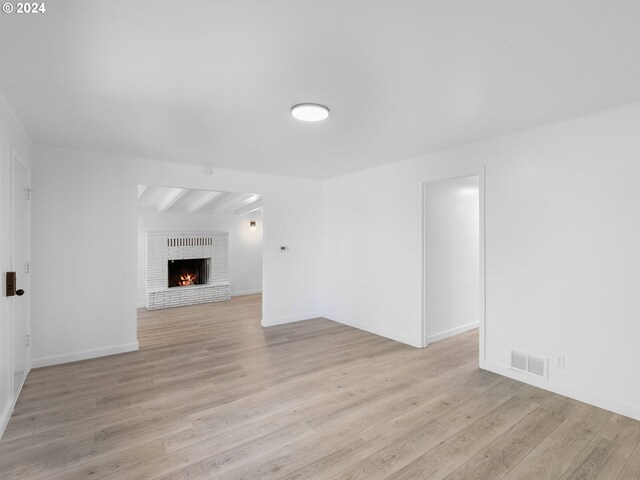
(21, 214)
(453, 255)
(182, 210)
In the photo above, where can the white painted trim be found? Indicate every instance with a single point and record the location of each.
(375, 330)
(632, 411)
(24, 379)
(5, 416)
(87, 354)
(245, 292)
(281, 321)
(16, 162)
(482, 317)
(451, 332)
(8, 409)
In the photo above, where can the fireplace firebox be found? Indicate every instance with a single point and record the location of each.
(193, 271)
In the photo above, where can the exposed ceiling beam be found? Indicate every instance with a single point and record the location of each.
(205, 199)
(225, 203)
(141, 190)
(247, 200)
(235, 201)
(252, 207)
(173, 195)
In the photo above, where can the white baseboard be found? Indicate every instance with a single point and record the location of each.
(5, 416)
(451, 332)
(245, 292)
(141, 305)
(271, 322)
(375, 330)
(632, 411)
(74, 357)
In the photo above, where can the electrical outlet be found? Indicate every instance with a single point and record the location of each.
(560, 361)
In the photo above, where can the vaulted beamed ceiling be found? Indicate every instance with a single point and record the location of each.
(187, 200)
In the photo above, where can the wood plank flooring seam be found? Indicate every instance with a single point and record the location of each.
(635, 452)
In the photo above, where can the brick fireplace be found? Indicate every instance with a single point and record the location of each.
(185, 268)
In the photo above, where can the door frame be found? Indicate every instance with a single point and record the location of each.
(16, 162)
(480, 173)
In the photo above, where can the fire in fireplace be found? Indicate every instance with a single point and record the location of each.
(194, 271)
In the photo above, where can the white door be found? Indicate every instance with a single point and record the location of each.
(21, 222)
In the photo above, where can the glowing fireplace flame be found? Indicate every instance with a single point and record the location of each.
(187, 279)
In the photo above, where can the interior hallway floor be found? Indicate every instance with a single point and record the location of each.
(211, 394)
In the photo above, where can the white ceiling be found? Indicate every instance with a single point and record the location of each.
(154, 199)
(212, 82)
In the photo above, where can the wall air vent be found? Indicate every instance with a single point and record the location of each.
(519, 361)
(529, 364)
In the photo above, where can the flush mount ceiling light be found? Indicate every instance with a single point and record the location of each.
(309, 112)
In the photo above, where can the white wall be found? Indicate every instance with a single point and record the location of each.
(562, 236)
(245, 245)
(452, 250)
(11, 136)
(85, 220)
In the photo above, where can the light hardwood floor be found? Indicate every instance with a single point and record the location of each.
(211, 394)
